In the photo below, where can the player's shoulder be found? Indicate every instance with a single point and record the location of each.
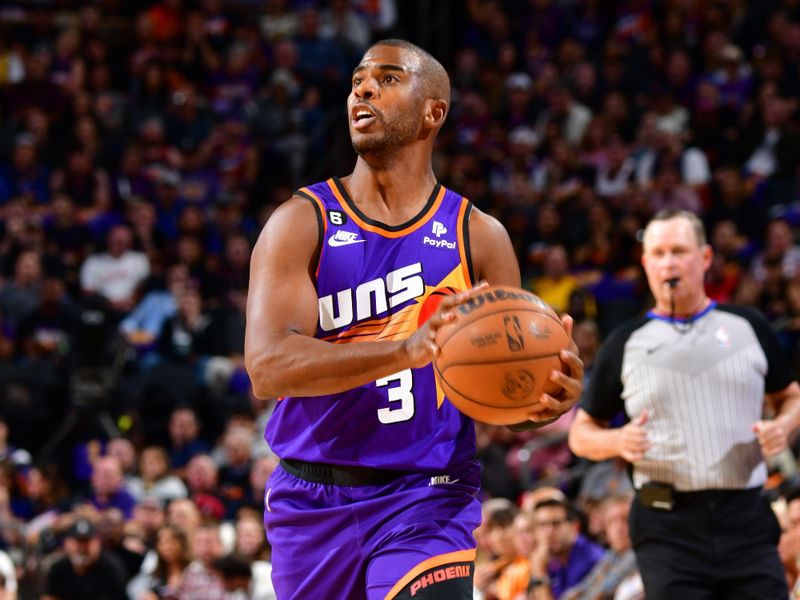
(302, 202)
(298, 218)
(484, 227)
(295, 211)
(483, 219)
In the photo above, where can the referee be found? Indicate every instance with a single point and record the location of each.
(692, 377)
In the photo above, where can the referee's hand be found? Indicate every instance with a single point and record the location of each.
(772, 437)
(633, 443)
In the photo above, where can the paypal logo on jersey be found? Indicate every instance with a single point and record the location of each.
(438, 243)
(438, 230)
(371, 297)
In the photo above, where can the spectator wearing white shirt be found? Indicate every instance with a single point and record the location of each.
(658, 145)
(116, 273)
(155, 478)
(572, 116)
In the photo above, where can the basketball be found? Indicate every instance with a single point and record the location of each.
(495, 359)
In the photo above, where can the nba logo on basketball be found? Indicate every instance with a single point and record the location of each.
(513, 334)
(438, 229)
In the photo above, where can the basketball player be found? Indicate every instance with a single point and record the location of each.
(376, 493)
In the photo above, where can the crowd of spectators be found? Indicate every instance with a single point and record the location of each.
(144, 144)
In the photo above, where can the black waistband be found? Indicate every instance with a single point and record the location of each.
(338, 474)
(713, 495)
(718, 495)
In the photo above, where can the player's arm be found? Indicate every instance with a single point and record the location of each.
(281, 355)
(494, 261)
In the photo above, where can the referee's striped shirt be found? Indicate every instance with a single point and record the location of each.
(702, 381)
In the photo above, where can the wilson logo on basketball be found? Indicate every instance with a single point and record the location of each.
(498, 295)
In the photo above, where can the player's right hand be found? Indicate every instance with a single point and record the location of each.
(421, 347)
(633, 442)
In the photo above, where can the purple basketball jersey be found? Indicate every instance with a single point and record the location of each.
(372, 283)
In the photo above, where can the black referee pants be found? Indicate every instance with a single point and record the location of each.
(714, 545)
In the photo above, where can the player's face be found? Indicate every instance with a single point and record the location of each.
(385, 104)
(672, 251)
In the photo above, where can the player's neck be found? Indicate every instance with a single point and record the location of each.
(400, 185)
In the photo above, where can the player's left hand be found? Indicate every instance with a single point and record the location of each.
(772, 437)
(570, 378)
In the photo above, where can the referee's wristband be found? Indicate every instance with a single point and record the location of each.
(537, 582)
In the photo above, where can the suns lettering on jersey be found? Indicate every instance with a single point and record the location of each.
(371, 298)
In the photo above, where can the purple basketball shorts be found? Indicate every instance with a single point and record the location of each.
(368, 542)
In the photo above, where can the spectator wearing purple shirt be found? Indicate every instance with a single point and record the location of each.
(131, 179)
(107, 489)
(562, 557)
(23, 175)
(733, 78)
(184, 438)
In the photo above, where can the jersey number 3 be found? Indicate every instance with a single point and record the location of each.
(401, 397)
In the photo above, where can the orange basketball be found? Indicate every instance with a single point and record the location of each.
(497, 356)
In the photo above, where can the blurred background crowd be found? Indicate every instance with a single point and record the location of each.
(144, 144)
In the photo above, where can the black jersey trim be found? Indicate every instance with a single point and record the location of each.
(393, 228)
(320, 224)
(465, 237)
(318, 212)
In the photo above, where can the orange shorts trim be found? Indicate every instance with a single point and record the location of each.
(430, 563)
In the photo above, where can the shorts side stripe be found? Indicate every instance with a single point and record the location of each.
(430, 563)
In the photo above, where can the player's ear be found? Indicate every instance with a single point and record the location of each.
(436, 112)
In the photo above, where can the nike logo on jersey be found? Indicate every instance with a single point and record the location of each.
(442, 480)
(344, 238)
(656, 348)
